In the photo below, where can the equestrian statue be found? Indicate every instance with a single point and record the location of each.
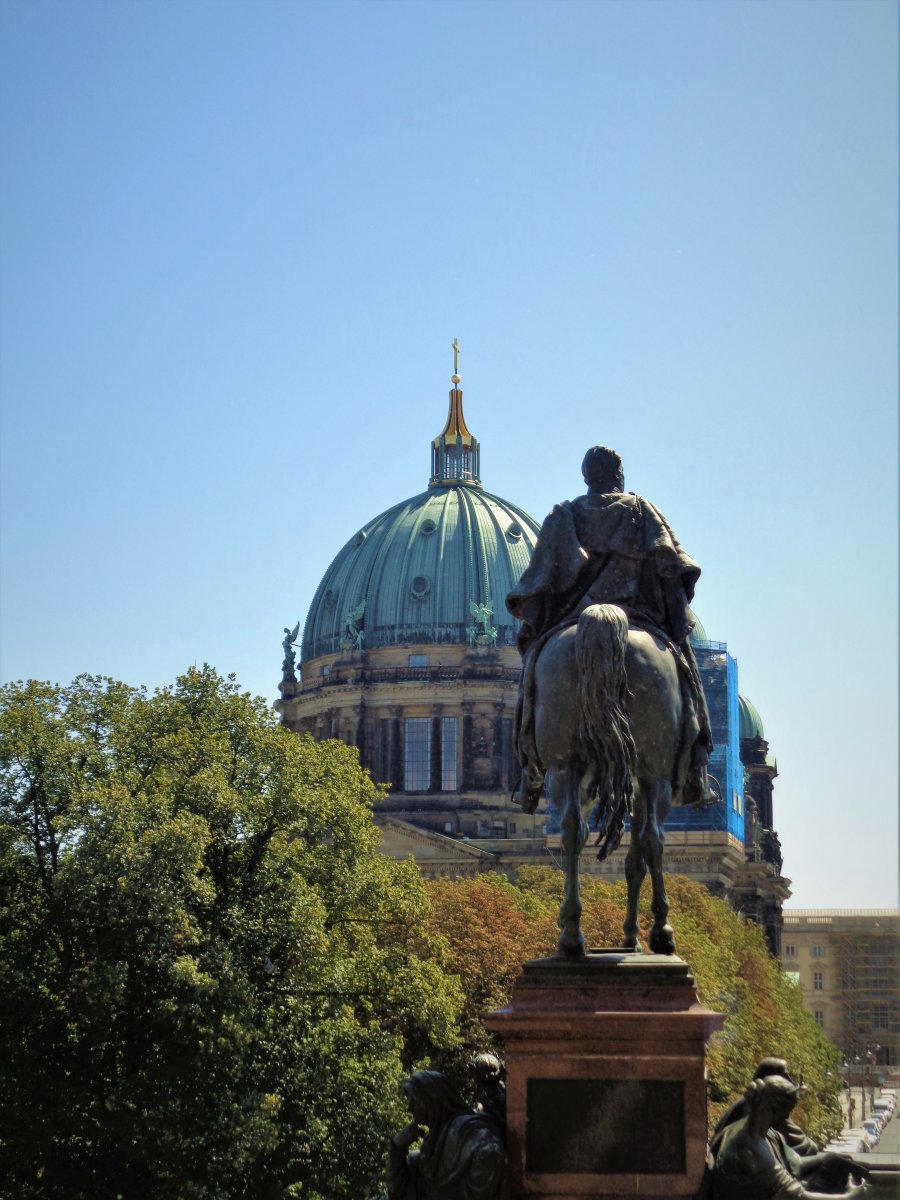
(611, 715)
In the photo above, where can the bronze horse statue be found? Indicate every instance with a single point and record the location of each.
(608, 708)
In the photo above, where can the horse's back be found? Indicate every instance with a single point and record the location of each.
(654, 698)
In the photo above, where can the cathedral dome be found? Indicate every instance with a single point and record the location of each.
(414, 574)
(751, 725)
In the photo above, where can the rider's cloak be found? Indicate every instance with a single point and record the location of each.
(606, 549)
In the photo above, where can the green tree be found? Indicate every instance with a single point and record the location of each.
(212, 982)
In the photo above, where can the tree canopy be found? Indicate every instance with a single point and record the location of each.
(212, 982)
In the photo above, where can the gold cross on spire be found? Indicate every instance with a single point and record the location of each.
(456, 360)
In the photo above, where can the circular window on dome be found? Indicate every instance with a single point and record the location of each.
(427, 528)
(329, 599)
(360, 538)
(420, 587)
(514, 532)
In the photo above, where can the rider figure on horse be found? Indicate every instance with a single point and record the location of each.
(610, 547)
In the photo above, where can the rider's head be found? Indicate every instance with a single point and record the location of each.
(602, 471)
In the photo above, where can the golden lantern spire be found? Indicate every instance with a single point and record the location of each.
(455, 453)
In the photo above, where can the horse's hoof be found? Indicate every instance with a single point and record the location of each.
(662, 939)
(572, 947)
(631, 942)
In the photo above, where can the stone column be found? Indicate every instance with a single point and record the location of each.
(435, 781)
(514, 767)
(764, 802)
(396, 748)
(360, 733)
(468, 747)
(497, 745)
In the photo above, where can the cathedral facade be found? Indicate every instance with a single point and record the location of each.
(408, 653)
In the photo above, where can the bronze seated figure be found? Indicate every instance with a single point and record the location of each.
(463, 1151)
(758, 1153)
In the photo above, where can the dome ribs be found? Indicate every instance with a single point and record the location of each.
(419, 565)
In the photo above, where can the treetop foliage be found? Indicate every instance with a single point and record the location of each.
(212, 981)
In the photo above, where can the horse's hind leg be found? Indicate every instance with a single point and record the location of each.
(659, 801)
(635, 870)
(565, 792)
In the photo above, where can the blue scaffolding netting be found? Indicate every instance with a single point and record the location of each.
(719, 675)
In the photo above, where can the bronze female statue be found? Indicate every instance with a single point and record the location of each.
(463, 1155)
(753, 1160)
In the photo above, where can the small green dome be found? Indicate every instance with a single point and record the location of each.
(698, 633)
(751, 725)
(412, 574)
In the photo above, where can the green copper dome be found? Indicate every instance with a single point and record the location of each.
(417, 570)
(751, 721)
(414, 574)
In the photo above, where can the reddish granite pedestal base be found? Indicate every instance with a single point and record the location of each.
(606, 1081)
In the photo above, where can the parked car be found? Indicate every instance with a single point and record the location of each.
(852, 1141)
(873, 1128)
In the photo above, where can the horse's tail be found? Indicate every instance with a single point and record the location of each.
(605, 726)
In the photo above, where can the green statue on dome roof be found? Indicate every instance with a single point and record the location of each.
(481, 627)
(354, 634)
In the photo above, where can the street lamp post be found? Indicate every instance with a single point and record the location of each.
(851, 1102)
(872, 1053)
(863, 1064)
(862, 1090)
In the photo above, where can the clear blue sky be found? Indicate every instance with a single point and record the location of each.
(239, 238)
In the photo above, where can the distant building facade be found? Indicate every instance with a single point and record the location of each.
(408, 653)
(847, 964)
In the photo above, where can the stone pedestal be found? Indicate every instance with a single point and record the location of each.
(606, 1080)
